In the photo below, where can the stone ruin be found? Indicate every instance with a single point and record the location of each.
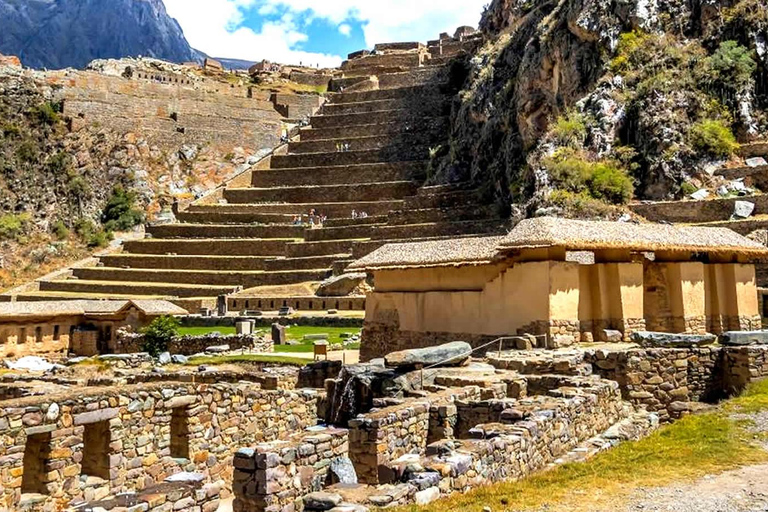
(408, 428)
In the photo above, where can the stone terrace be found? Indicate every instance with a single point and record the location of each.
(366, 150)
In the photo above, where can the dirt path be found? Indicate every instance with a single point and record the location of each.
(740, 490)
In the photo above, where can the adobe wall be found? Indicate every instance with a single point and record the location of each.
(54, 337)
(122, 435)
(567, 302)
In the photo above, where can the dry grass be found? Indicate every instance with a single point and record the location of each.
(690, 448)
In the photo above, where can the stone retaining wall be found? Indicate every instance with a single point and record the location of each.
(129, 343)
(93, 442)
(273, 476)
(667, 380)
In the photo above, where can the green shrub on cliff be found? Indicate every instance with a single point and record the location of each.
(713, 137)
(731, 65)
(13, 226)
(120, 212)
(605, 180)
(47, 113)
(570, 129)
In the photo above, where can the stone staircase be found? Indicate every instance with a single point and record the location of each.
(364, 151)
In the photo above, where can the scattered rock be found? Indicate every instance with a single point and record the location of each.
(756, 162)
(321, 501)
(700, 194)
(669, 340)
(450, 354)
(743, 209)
(427, 496)
(164, 358)
(31, 364)
(179, 359)
(217, 349)
(341, 286)
(744, 338)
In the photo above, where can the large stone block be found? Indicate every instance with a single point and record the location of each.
(743, 338)
(450, 354)
(669, 340)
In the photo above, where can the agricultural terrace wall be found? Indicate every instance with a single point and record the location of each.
(168, 115)
(93, 442)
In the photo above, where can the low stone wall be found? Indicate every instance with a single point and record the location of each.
(667, 380)
(315, 374)
(275, 476)
(129, 343)
(379, 437)
(265, 322)
(93, 442)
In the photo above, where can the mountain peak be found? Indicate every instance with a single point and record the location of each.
(71, 33)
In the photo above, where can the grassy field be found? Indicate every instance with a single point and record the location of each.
(294, 333)
(247, 358)
(692, 447)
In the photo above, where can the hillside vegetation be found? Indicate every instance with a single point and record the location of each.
(581, 104)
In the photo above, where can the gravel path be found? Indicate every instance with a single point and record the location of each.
(740, 490)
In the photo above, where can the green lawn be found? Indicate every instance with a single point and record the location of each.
(690, 448)
(293, 333)
(247, 358)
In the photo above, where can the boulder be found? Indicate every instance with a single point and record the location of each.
(756, 162)
(743, 209)
(321, 501)
(164, 358)
(669, 340)
(450, 354)
(700, 194)
(744, 338)
(340, 286)
(179, 359)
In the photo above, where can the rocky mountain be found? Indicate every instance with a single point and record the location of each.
(581, 104)
(71, 33)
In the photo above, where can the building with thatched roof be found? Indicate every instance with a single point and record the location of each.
(85, 327)
(564, 280)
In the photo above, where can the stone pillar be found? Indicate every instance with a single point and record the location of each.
(278, 334)
(617, 299)
(687, 296)
(221, 305)
(741, 307)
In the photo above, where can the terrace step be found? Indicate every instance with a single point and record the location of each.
(211, 247)
(306, 263)
(432, 75)
(357, 221)
(753, 176)
(204, 262)
(696, 212)
(385, 94)
(246, 279)
(340, 233)
(244, 301)
(440, 229)
(403, 115)
(354, 144)
(405, 60)
(433, 125)
(329, 193)
(459, 213)
(321, 248)
(338, 175)
(753, 149)
(129, 288)
(173, 231)
(400, 152)
(331, 209)
(211, 215)
(421, 103)
(742, 227)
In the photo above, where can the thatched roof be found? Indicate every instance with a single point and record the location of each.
(43, 309)
(51, 309)
(459, 251)
(572, 235)
(595, 235)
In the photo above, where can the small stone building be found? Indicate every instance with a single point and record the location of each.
(568, 280)
(85, 327)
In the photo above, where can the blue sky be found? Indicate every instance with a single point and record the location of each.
(312, 31)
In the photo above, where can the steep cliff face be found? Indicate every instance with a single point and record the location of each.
(70, 33)
(614, 92)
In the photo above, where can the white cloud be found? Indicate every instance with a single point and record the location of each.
(345, 29)
(215, 26)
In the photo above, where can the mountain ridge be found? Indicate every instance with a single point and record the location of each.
(58, 34)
